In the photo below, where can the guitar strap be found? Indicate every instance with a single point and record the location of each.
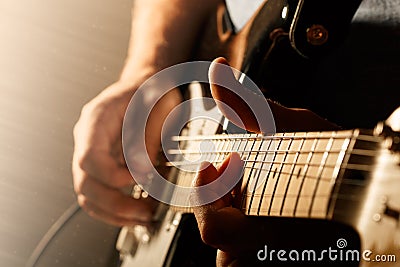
(286, 40)
(320, 26)
(315, 26)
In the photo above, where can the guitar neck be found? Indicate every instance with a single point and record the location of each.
(286, 174)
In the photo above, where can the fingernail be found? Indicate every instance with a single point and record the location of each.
(203, 165)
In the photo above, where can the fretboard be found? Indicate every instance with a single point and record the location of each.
(287, 174)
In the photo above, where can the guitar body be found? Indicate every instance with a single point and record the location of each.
(361, 202)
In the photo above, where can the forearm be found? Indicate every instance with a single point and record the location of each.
(163, 33)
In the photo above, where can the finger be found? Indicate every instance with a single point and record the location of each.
(142, 148)
(113, 200)
(297, 119)
(220, 183)
(225, 259)
(243, 107)
(207, 173)
(104, 167)
(252, 110)
(213, 218)
(394, 120)
(97, 212)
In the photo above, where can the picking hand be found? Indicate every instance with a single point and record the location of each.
(100, 174)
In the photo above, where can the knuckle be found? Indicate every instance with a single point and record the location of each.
(81, 185)
(119, 207)
(86, 109)
(209, 233)
(83, 203)
(84, 160)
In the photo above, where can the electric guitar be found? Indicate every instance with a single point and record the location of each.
(351, 177)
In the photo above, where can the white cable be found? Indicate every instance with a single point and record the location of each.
(51, 233)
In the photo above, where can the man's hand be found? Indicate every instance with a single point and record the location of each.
(219, 221)
(286, 118)
(99, 169)
(222, 225)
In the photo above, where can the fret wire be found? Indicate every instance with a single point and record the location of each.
(182, 177)
(226, 146)
(268, 175)
(239, 144)
(209, 155)
(248, 178)
(188, 177)
(306, 168)
(320, 170)
(222, 155)
(251, 171)
(347, 145)
(291, 175)
(221, 144)
(258, 170)
(218, 156)
(278, 178)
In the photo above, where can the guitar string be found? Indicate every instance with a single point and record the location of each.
(339, 196)
(248, 180)
(268, 176)
(310, 135)
(277, 182)
(291, 175)
(300, 195)
(361, 152)
(311, 177)
(306, 167)
(320, 170)
(350, 166)
(181, 177)
(256, 182)
(241, 156)
(248, 152)
(278, 179)
(349, 181)
(258, 169)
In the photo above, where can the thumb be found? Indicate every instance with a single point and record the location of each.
(394, 120)
(216, 183)
(244, 107)
(250, 110)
